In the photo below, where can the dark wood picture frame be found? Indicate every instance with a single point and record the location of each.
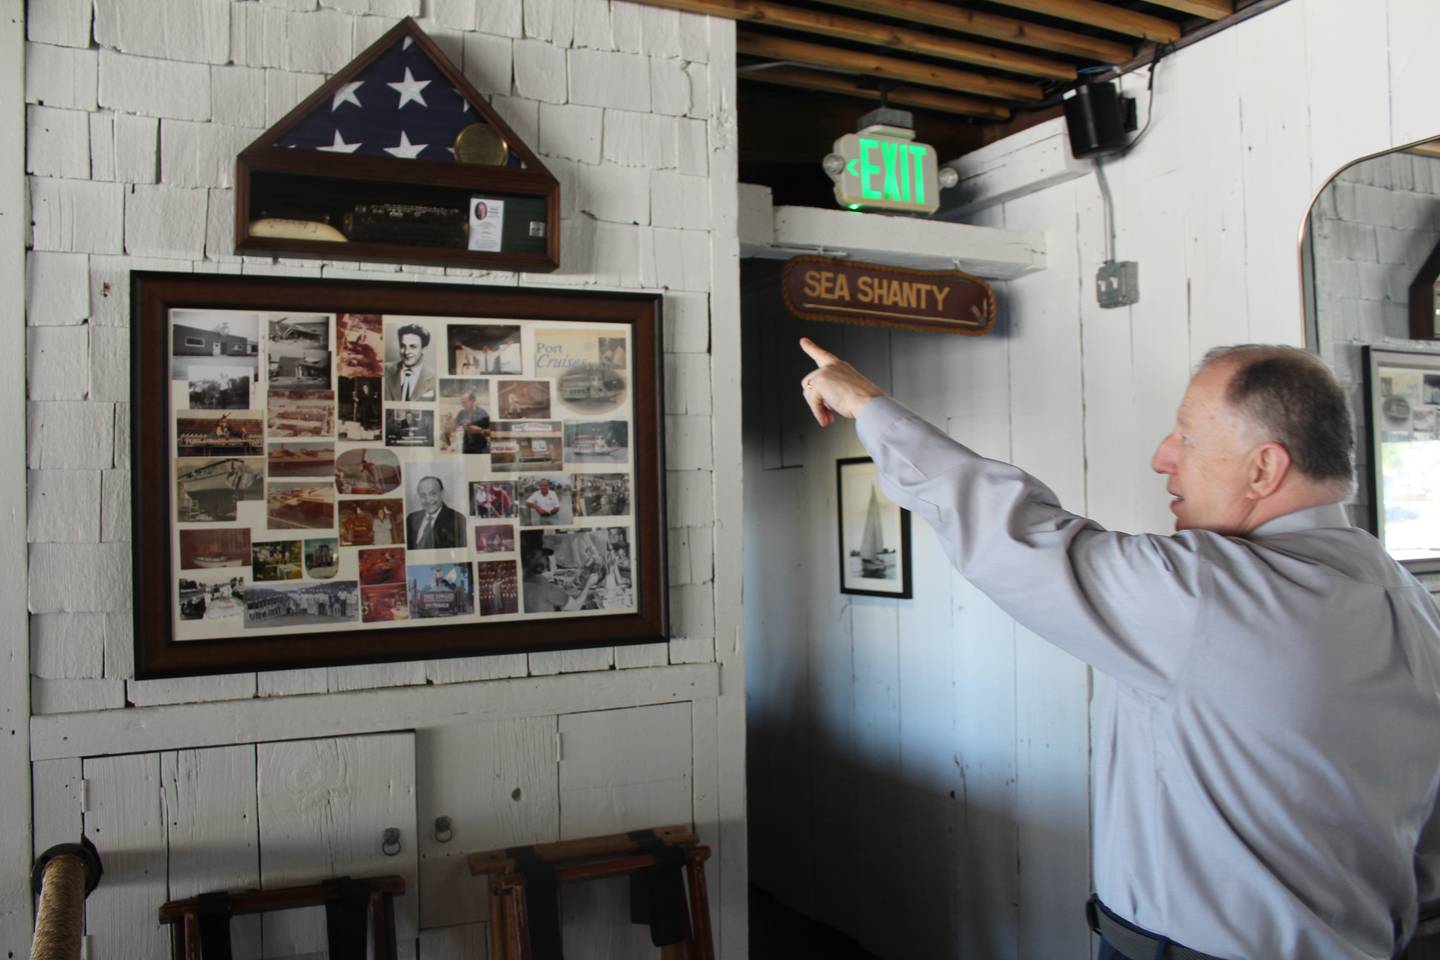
(1386, 417)
(902, 550)
(159, 654)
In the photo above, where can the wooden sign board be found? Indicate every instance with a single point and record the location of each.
(930, 301)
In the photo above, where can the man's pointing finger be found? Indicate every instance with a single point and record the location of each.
(821, 356)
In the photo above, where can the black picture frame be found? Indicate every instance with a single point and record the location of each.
(156, 503)
(861, 575)
(1402, 428)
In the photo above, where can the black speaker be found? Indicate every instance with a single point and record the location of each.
(1098, 119)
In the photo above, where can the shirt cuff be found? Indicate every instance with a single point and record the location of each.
(877, 417)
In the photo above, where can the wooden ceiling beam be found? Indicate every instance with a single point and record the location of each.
(993, 27)
(1209, 9)
(901, 96)
(876, 33)
(890, 68)
(1106, 16)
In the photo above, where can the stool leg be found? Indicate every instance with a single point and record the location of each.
(191, 936)
(520, 921)
(700, 907)
(499, 949)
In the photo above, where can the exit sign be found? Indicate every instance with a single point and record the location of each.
(882, 168)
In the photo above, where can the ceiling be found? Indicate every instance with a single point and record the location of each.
(971, 71)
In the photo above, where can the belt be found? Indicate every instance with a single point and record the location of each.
(1135, 943)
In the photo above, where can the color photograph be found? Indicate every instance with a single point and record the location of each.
(384, 603)
(365, 523)
(360, 343)
(464, 416)
(223, 547)
(300, 413)
(303, 458)
(382, 565)
(600, 441)
(370, 470)
(492, 499)
(219, 435)
(494, 538)
(277, 560)
(526, 445)
(602, 494)
(322, 558)
(498, 587)
(440, 590)
(523, 399)
(208, 489)
(300, 505)
(544, 501)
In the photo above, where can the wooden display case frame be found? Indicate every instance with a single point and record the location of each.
(263, 158)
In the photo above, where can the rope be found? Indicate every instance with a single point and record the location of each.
(60, 921)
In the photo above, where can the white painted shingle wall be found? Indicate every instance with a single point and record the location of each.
(134, 110)
(131, 142)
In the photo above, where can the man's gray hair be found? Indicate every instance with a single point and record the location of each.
(1293, 396)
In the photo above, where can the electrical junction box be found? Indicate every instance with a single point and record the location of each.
(1117, 283)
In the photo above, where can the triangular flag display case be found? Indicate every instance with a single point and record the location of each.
(397, 158)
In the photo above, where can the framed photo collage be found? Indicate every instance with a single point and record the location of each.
(351, 472)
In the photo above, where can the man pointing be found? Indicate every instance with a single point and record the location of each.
(1266, 763)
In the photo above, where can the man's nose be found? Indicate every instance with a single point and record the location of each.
(1164, 459)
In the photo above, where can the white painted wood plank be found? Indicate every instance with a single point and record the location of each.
(1052, 709)
(877, 795)
(127, 826)
(324, 806)
(212, 831)
(877, 238)
(469, 941)
(57, 786)
(708, 761)
(499, 785)
(986, 891)
(1350, 109)
(15, 919)
(625, 770)
(466, 669)
(1414, 35)
(1016, 166)
(1275, 168)
(281, 718)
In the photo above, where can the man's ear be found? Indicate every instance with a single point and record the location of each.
(1269, 465)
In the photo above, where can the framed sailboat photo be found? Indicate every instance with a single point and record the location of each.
(874, 534)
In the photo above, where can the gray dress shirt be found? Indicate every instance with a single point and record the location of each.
(1267, 759)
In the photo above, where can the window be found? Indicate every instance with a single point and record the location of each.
(194, 342)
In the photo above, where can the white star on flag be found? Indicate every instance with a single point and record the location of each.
(346, 94)
(406, 150)
(409, 89)
(408, 41)
(340, 146)
(464, 104)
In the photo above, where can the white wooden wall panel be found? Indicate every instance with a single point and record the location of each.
(1414, 31)
(323, 808)
(619, 770)
(212, 831)
(56, 789)
(469, 941)
(1272, 76)
(1349, 112)
(1052, 709)
(127, 825)
(499, 785)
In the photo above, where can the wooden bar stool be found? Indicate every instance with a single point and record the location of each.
(523, 882)
(200, 926)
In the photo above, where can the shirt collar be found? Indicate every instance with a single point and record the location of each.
(1311, 518)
